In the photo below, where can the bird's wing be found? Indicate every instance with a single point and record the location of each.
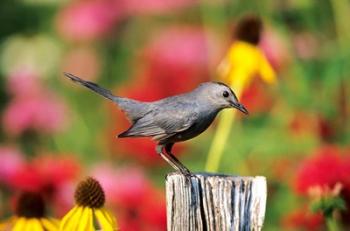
(162, 123)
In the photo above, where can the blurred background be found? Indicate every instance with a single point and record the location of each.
(53, 133)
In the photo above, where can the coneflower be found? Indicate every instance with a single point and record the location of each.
(243, 62)
(89, 214)
(30, 215)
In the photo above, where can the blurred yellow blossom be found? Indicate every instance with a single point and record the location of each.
(30, 215)
(242, 63)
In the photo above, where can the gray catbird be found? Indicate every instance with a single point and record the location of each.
(172, 119)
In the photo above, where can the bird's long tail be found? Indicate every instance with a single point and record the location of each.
(93, 86)
(133, 109)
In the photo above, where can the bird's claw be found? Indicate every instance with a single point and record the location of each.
(188, 175)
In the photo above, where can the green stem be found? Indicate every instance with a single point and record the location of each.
(341, 11)
(332, 224)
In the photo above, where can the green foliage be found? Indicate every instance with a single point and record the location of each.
(328, 205)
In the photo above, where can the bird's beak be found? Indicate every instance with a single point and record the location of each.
(240, 107)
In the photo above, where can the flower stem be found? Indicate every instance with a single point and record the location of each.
(221, 136)
(219, 142)
(332, 224)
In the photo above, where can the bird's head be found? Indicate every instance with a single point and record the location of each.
(221, 95)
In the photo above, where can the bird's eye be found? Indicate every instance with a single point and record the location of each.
(225, 94)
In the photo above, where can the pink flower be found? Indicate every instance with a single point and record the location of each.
(33, 107)
(87, 20)
(56, 169)
(52, 176)
(346, 163)
(131, 188)
(11, 161)
(83, 61)
(63, 200)
(324, 169)
(178, 57)
(154, 6)
(256, 97)
(275, 49)
(44, 114)
(45, 173)
(179, 46)
(57, 179)
(326, 173)
(23, 83)
(138, 204)
(27, 178)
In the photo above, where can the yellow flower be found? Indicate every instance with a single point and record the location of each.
(30, 215)
(242, 63)
(89, 214)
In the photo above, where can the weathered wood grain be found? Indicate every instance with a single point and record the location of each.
(215, 202)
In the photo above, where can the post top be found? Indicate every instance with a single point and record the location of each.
(206, 175)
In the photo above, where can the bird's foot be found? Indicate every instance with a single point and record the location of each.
(188, 175)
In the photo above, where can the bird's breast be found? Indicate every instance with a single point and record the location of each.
(202, 123)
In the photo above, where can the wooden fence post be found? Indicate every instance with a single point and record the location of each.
(215, 202)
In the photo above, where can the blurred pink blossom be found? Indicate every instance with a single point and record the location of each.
(154, 6)
(43, 113)
(82, 61)
(275, 49)
(33, 107)
(87, 20)
(139, 205)
(46, 174)
(323, 172)
(11, 161)
(179, 46)
(131, 188)
(23, 83)
(178, 58)
(257, 98)
(63, 200)
(57, 169)
(325, 168)
(179, 55)
(27, 178)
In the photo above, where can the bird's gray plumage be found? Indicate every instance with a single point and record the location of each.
(172, 119)
(133, 109)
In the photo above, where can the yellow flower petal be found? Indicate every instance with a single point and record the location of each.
(90, 226)
(266, 71)
(50, 224)
(68, 216)
(241, 64)
(33, 224)
(86, 223)
(111, 217)
(19, 224)
(107, 221)
(72, 219)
